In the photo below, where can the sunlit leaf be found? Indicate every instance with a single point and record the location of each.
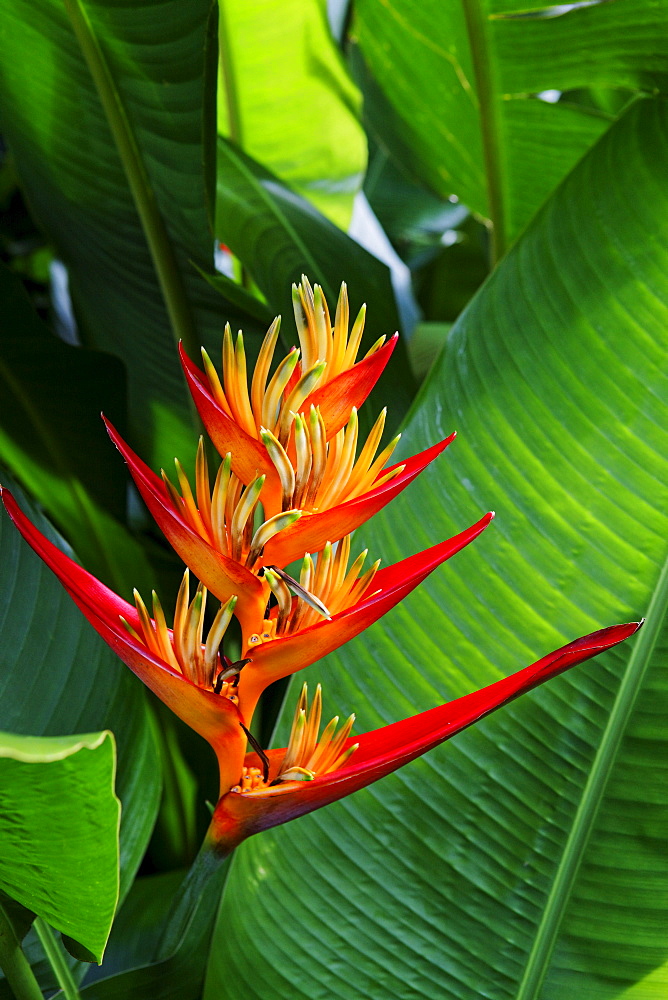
(287, 100)
(482, 133)
(526, 858)
(59, 826)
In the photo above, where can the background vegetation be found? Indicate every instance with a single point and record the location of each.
(512, 160)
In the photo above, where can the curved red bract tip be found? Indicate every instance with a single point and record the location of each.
(349, 388)
(382, 751)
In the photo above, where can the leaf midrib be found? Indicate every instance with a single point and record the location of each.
(564, 880)
(160, 246)
(481, 57)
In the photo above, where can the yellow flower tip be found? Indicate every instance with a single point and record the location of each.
(126, 624)
(375, 347)
(297, 774)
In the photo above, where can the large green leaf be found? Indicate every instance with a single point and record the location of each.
(59, 821)
(57, 677)
(286, 99)
(150, 66)
(527, 858)
(481, 133)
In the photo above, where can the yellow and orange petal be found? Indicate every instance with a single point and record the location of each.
(308, 754)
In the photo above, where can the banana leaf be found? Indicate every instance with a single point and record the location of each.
(285, 97)
(527, 858)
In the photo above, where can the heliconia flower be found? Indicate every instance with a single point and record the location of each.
(183, 519)
(327, 377)
(176, 667)
(266, 796)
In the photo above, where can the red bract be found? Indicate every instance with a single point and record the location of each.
(222, 575)
(286, 654)
(239, 815)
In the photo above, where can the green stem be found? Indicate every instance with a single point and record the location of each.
(229, 79)
(562, 886)
(232, 106)
(14, 964)
(200, 891)
(56, 958)
(155, 231)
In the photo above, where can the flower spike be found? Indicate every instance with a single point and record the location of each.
(294, 480)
